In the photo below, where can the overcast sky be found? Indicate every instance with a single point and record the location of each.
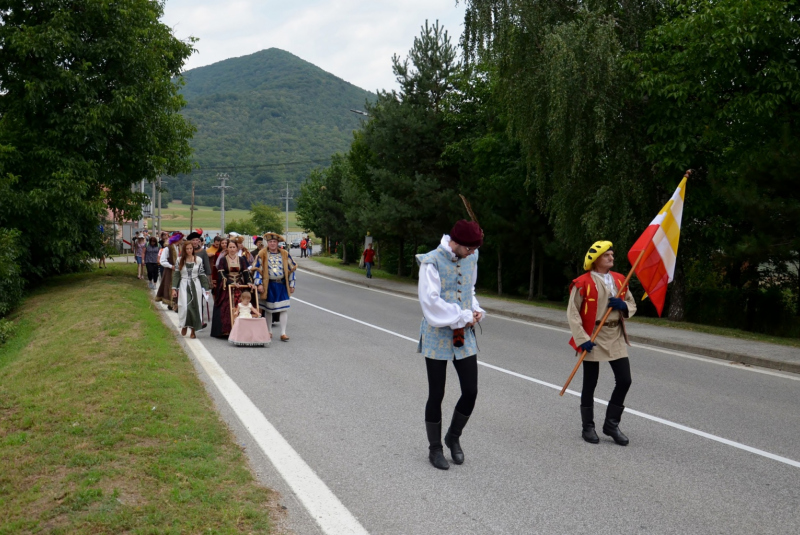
(353, 39)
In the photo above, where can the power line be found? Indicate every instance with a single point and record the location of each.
(263, 165)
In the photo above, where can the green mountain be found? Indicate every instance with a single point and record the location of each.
(256, 111)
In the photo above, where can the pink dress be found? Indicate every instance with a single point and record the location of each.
(248, 331)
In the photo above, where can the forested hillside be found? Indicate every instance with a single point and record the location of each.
(266, 108)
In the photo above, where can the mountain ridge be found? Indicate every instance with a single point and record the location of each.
(262, 109)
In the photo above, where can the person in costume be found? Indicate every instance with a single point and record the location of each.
(274, 275)
(248, 329)
(199, 251)
(168, 259)
(231, 271)
(189, 286)
(258, 241)
(446, 290)
(590, 296)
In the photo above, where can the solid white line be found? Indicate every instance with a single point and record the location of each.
(669, 423)
(707, 360)
(331, 515)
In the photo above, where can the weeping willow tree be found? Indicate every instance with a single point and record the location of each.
(568, 96)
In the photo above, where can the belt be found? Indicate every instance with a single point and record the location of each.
(608, 323)
(276, 280)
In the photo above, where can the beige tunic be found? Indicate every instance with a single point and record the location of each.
(611, 341)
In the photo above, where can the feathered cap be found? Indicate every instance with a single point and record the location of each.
(273, 236)
(175, 238)
(467, 233)
(193, 235)
(238, 240)
(595, 251)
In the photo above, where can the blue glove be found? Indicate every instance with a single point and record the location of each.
(617, 303)
(587, 346)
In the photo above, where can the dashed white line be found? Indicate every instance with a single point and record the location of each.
(650, 417)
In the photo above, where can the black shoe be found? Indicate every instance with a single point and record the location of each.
(451, 439)
(436, 453)
(587, 417)
(611, 425)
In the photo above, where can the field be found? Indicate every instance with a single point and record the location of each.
(176, 217)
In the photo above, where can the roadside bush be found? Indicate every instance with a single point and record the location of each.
(7, 329)
(11, 281)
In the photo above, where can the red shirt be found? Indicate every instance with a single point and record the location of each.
(369, 255)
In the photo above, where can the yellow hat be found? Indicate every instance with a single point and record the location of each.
(596, 251)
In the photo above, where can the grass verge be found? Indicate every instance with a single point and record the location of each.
(661, 322)
(105, 426)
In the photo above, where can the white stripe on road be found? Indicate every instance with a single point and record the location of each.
(669, 423)
(331, 515)
(707, 360)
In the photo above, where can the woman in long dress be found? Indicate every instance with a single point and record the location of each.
(189, 285)
(169, 260)
(231, 269)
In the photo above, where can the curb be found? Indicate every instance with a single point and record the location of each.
(740, 358)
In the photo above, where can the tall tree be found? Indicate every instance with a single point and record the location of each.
(89, 104)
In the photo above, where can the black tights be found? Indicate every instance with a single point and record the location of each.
(467, 370)
(622, 377)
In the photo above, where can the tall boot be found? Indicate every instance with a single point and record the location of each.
(451, 438)
(611, 425)
(436, 454)
(587, 417)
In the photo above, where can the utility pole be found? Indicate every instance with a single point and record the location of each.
(153, 209)
(191, 212)
(159, 206)
(287, 197)
(222, 177)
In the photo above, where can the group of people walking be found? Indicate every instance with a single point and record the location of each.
(446, 290)
(245, 286)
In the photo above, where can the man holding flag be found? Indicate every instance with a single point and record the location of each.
(653, 258)
(591, 295)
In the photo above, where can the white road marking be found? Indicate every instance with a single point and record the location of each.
(669, 423)
(707, 360)
(331, 515)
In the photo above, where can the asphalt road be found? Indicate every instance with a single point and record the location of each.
(350, 399)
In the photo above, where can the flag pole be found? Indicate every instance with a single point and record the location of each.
(603, 321)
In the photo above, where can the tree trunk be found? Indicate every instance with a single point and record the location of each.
(533, 270)
(344, 252)
(541, 278)
(413, 273)
(797, 289)
(677, 295)
(400, 260)
(499, 271)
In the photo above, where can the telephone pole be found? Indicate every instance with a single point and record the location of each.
(153, 210)
(191, 212)
(287, 197)
(222, 177)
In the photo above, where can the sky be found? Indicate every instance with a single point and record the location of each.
(352, 39)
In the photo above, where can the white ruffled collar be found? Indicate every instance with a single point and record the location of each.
(445, 244)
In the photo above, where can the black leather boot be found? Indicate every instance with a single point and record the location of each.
(587, 417)
(611, 425)
(453, 434)
(436, 454)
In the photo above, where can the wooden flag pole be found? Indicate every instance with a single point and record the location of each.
(603, 321)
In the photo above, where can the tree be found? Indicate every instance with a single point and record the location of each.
(265, 218)
(722, 83)
(90, 105)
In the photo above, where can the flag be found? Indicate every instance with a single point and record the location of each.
(660, 245)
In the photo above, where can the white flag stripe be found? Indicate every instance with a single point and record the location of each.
(665, 251)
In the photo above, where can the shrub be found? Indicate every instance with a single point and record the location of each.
(11, 281)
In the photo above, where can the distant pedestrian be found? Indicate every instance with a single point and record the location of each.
(369, 259)
(309, 247)
(169, 258)
(303, 244)
(590, 296)
(138, 253)
(189, 287)
(151, 262)
(447, 278)
(258, 241)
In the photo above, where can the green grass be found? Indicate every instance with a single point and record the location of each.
(661, 322)
(105, 426)
(176, 217)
